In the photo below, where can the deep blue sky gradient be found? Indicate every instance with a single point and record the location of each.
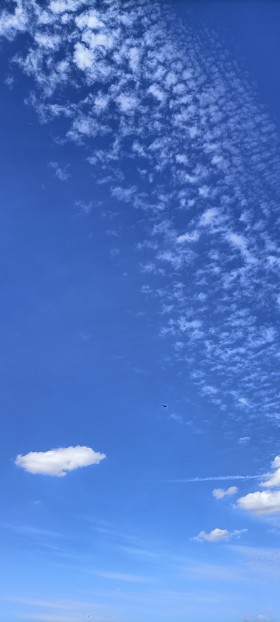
(82, 363)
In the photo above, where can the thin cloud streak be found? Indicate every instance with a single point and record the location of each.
(217, 478)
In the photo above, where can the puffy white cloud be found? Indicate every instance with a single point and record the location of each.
(220, 493)
(83, 57)
(89, 19)
(58, 462)
(265, 502)
(274, 478)
(218, 535)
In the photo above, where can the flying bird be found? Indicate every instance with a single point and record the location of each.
(164, 405)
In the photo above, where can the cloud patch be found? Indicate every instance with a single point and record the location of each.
(220, 493)
(58, 462)
(218, 535)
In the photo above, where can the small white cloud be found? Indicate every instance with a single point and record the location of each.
(83, 57)
(60, 172)
(84, 207)
(208, 217)
(220, 493)
(157, 92)
(218, 535)
(243, 401)
(266, 502)
(127, 102)
(60, 6)
(89, 19)
(193, 236)
(204, 192)
(181, 158)
(58, 462)
(240, 243)
(243, 440)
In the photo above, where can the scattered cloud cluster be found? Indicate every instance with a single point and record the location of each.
(58, 462)
(185, 129)
(218, 535)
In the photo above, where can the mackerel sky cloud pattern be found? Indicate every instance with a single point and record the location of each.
(204, 170)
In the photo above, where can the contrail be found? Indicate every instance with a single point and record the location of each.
(217, 478)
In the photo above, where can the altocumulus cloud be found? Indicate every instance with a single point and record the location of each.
(58, 462)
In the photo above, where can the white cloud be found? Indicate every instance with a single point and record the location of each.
(58, 462)
(208, 217)
(220, 493)
(266, 502)
(83, 57)
(243, 401)
(243, 440)
(237, 240)
(60, 6)
(12, 23)
(240, 242)
(274, 478)
(89, 19)
(157, 92)
(60, 172)
(193, 236)
(127, 103)
(218, 535)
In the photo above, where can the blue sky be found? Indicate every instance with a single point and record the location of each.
(140, 267)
